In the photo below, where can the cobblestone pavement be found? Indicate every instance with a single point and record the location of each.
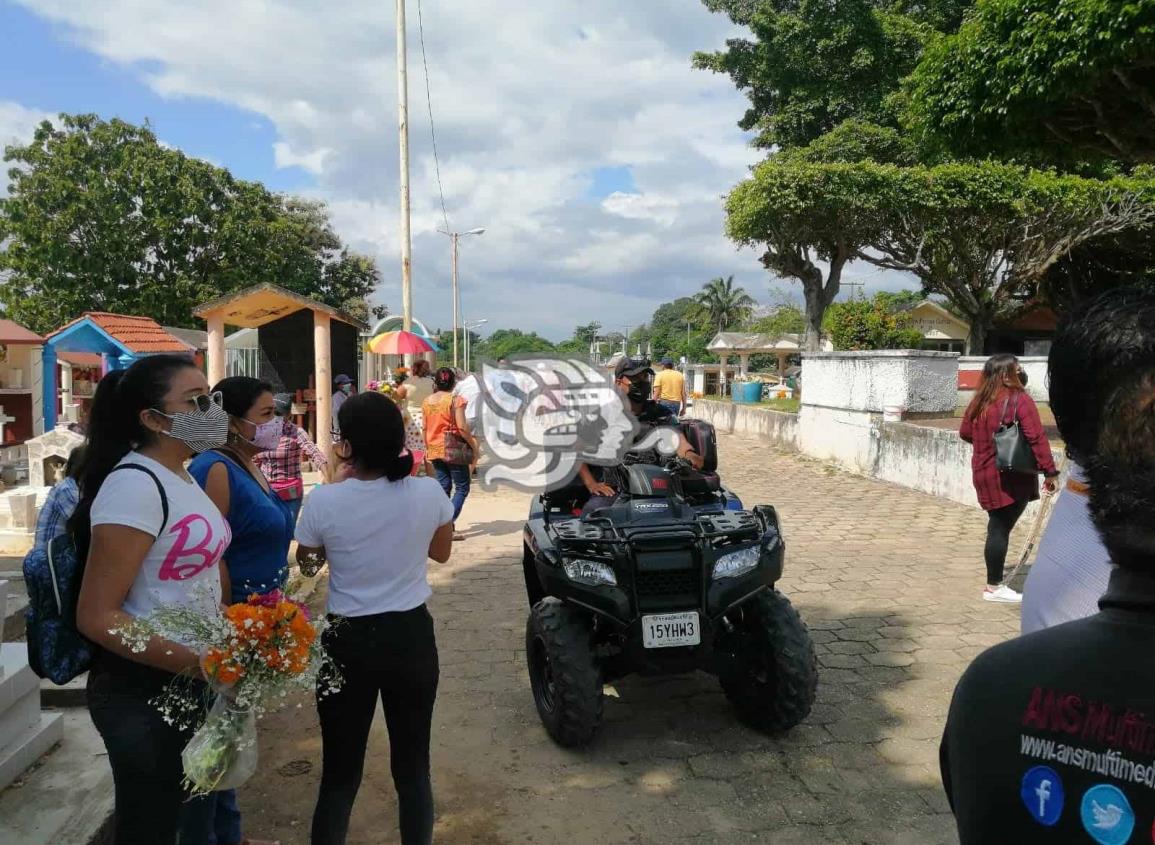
(889, 582)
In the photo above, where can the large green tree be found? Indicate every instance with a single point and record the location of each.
(985, 235)
(812, 64)
(504, 343)
(722, 306)
(1054, 80)
(100, 216)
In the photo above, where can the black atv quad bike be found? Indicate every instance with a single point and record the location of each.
(674, 576)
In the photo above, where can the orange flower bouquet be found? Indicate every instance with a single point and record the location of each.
(254, 655)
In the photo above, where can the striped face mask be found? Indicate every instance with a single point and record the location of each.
(203, 429)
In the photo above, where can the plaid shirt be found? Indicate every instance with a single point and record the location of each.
(58, 507)
(1000, 489)
(284, 463)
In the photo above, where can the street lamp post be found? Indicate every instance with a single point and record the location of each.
(455, 236)
(468, 326)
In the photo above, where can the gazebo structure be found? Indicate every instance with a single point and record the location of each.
(744, 344)
(119, 339)
(297, 338)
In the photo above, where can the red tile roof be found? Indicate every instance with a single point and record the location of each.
(14, 333)
(138, 334)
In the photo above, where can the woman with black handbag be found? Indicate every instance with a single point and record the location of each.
(1010, 451)
(449, 444)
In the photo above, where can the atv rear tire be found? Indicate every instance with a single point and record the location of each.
(563, 672)
(775, 677)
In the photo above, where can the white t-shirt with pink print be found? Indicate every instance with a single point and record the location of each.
(181, 566)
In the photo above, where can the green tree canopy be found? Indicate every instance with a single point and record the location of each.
(871, 324)
(1050, 79)
(814, 63)
(100, 216)
(785, 319)
(722, 306)
(506, 342)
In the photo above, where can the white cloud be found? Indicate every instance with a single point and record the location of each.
(312, 161)
(17, 124)
(529, 99)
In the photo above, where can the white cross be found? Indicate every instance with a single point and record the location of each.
(4, 420)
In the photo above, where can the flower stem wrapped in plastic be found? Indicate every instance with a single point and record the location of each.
(254, 655)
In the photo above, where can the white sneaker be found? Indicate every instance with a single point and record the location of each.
(1002, 593)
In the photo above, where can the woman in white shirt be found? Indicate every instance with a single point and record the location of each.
(376, 529)
(414, 392)
(152, 537)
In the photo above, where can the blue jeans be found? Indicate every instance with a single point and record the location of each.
(294, 506)
(454, 480)
(213, 819)
(143, 751)
(670, 405)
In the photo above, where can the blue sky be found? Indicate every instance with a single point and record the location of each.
(576, 133)
(43, 67)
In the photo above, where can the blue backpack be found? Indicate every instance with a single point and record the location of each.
(52, 575)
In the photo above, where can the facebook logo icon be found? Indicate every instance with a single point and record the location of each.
(1042, 794)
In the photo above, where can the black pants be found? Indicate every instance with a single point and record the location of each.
(143, 751)
(392, 656)
(1000, 523)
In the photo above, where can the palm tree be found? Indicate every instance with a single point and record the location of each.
(723, 305)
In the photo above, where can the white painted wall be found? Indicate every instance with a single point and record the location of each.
(1035, 367)
(920, 381)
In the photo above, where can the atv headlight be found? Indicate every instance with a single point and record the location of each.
(592, 572)
(736, 563)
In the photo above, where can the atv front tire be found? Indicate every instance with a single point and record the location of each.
(775, 676)
(563, 672)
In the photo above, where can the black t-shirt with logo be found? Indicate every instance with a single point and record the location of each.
(1051, 737)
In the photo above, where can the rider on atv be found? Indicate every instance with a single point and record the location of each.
(634, 378)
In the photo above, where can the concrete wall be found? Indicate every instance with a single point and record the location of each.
(919, 381)
(1034, 367)
(778, 428)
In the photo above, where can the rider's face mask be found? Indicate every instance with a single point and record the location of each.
(640, 388)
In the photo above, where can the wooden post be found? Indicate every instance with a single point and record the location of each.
(216, 350)
(323, 367)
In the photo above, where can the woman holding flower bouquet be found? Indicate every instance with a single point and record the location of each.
(377, 528)
(152, 538)
(257, 560)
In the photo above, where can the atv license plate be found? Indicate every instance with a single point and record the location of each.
(668, 630)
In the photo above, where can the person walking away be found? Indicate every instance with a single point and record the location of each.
(151, 538)
(670, 388)
(1048, 739)
(1001, 399)
(417, 389)
(281, 465)
(344, 389)
(1072, 568)
(257, 561)
(376, 529)
(444, 415)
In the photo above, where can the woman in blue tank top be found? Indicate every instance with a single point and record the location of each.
(257, 559)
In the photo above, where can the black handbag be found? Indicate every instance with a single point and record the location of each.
(1012, 451)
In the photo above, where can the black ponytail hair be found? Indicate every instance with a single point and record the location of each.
(115, 429)
(372, 425)
(240, 393)
(445, 379)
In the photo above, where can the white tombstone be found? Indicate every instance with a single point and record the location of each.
(57, 443)
(26, 733)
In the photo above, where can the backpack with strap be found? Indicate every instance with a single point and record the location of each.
(52, 575)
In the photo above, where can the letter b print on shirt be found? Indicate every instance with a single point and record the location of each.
(194, 550)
